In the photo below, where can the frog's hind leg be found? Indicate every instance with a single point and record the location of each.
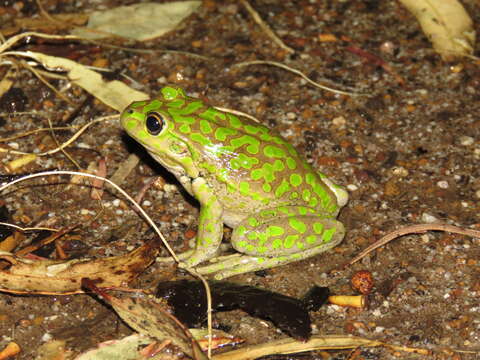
(241, 264)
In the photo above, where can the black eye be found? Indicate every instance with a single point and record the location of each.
(154, 123)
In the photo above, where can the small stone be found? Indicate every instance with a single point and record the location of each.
(339, 121)
(442, 184)
(428, 218)
(291, 115)
(466, 140)
(399, 171)
(353, 187)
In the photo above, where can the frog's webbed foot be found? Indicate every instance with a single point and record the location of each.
(237, 264)
(182, 257)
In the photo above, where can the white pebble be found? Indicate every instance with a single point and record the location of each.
(339, 121)
(291, 115)
(428, 218)
(116, 202)
(466, 140)
(442, 184)
(47, 337)
(352, 187)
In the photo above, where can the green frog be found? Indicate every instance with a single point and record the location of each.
(245, 176)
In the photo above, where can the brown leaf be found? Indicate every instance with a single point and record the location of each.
(153, 319)
(60, 277)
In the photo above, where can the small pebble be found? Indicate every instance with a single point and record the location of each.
(116, 202)
(352, 187)
(428, 218)
(291, 115)
(339, 121)
(400, 171)
(442, 184)
(466, 140)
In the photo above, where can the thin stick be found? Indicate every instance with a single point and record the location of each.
(299, 73)
(65, 144)
(414, 229)
(256, 16)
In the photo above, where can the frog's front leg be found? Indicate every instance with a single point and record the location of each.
(276, 237)
(210, 224)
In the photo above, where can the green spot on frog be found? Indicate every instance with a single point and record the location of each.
(282, 188)
(273, 151)
(205, 127)
(292, 164)
(243, 161)
(222, 133)
(199, 138)
(273, 230)
(296, 180)
(297, 225)
(318, 228)
(234, 121)
(136, 104)
(154, 105)
(244, 188)
(253, 144)
(290, 241)
(311, 239)
(328, 234)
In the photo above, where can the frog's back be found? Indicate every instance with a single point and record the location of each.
(248, 165)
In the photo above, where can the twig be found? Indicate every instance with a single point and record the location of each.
(299, 73)
(65, 144)
(265, 27)
(414, 229)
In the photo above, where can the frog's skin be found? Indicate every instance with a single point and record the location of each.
(244, 175)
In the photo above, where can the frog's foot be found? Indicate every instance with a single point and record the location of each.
(239, 264)
(169, 259)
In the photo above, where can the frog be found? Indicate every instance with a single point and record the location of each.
(245, 176)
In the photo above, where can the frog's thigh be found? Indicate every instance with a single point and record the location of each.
(286, 230)
(210, 225)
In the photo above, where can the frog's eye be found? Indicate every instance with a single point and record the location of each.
(154, 123)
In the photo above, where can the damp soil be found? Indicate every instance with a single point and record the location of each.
(407, 151)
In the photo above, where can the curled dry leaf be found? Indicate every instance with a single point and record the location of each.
(446, 24)
(61, 277)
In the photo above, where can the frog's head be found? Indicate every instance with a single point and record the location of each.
(151, 123)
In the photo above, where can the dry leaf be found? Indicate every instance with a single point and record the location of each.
(141, 22)
(60, 277)
(150, 318)
(446, 24)
(113, 93)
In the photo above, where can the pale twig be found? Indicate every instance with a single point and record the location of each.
(265, 27)
(414, 229)
(237, 112)
(145, 216)
(54, 137)
(299, 73)
(65, 144)
(50, 86)
(24, 229)
(31, 132)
